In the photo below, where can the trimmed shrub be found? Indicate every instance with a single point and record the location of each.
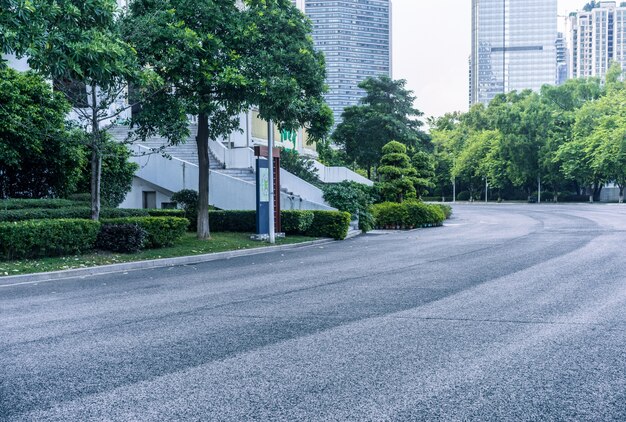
(296, 221)
(354, 198)
(407, 215)
(80, 197)
(232, 221)
(20, 204)
(166, 213)
(389, 215)
(42, 238)
(162, 231)
(447, 210)
(123, 238)
(333, 224)
(78, 212)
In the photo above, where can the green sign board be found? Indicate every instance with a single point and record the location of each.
(289, 139)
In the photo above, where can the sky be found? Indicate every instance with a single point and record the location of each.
(431, 48)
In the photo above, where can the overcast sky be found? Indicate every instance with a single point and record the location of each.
(431, 48)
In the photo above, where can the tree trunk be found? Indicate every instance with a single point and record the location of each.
(96, 157)
(621, 194)
(202, 142)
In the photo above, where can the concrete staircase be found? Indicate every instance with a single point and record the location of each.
(186, 152)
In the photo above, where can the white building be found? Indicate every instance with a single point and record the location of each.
(597, 38)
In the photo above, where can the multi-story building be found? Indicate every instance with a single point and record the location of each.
(513, 46)
(561, 59)
(597, 37)
(355, 37)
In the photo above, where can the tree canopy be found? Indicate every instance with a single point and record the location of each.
(386, 113)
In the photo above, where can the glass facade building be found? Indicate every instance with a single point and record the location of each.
(513, 46)
(355, 37)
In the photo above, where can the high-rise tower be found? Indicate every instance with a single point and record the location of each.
(513, 46)
(355, 37)
(597, 37)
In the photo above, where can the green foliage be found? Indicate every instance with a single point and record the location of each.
(162, 231)
(354, 198)
(39, 155)
(20, 204)
(300, 166)
(408, 215)
(166, 213)
(208, 57)
(233, 221)
(446, 209)
(72, 212)
(333, 224)
(188, 200)
(41, 238)
(386, 113)
(124, 238)
(296, 221)
(398, 178)
(117, 172)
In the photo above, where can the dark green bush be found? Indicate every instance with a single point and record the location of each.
(447, 210)
(187, 199)
(407, 215)
(20, 204)
(333, 224)
(296, 221)
(389, 215)
(77, 212)
(41, 238)
(123, 238)
(80, 197)
(166, 213)
(162, 231)
(232, 221)
(354, 198)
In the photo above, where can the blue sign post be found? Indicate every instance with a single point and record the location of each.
(263, 197)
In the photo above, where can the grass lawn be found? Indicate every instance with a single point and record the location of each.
(187, 246)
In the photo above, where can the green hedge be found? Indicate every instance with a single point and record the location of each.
(20, 204)
(334, 224)
(42, 238)
(309, 223)
(77, 212)
(232, 221)
(166, 213)
(407, 215)
(162, 231)
(296, 221)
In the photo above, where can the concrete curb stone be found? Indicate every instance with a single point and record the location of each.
(154, 263)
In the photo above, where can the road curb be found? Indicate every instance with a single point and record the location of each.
(153, 263)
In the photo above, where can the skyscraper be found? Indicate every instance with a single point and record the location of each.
(562, 64)
(355, 37)
(597, 37)
(513, 46)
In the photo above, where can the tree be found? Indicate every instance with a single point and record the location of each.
(473, 162)
(39, 155)
(217, 60)
(385, 114)
(117, 172)
(397, 176)
(424, 165)
(299, 165)
(80, 48)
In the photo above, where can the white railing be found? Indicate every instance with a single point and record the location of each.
(300, 187)
(339, 174)
(232, 158)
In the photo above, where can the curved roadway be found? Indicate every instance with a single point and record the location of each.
(510, 312)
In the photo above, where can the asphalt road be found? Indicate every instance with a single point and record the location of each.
(509, 312)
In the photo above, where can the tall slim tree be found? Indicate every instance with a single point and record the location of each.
(78, 45)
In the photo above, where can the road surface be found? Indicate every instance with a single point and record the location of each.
(509, 312)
